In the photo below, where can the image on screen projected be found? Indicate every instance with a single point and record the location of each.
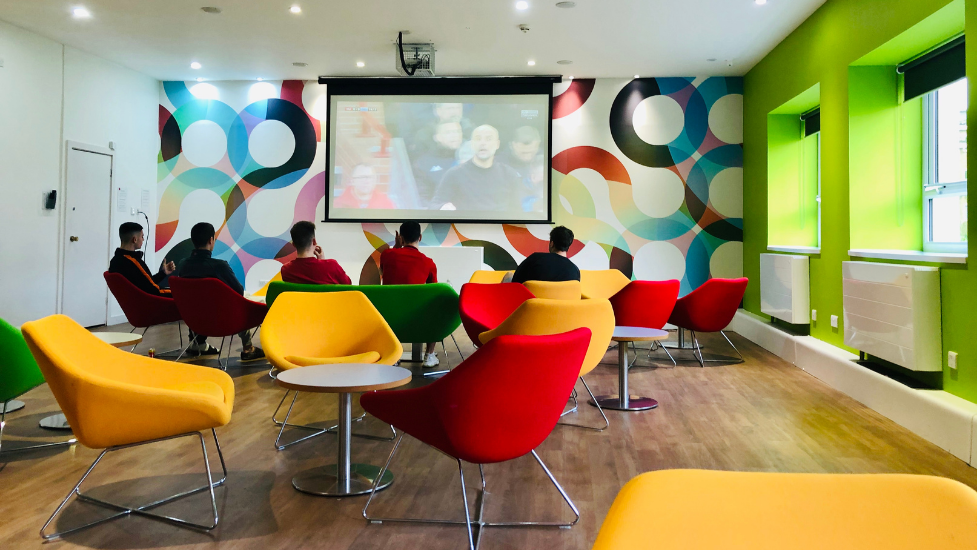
(439, 158)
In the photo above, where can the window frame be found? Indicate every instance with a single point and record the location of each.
(931, 186)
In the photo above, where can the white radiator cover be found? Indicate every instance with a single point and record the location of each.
(893, 312)
(785, 287)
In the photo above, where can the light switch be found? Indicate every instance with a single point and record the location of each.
(951, 359)
(814, 315)
(834, 321)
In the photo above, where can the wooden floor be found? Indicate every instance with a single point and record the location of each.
(761, 415)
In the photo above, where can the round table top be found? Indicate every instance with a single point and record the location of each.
(638, 334)
(119, 339)
(344, 378)
(259, 299)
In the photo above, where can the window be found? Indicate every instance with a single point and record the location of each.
(945, 168)
(811, 161)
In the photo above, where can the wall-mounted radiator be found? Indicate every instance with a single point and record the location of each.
(893, 312)
(785, 287)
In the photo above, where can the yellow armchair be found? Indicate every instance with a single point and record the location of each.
(602, 284)
(318, 328)
(540, 316)
(559, 290)
(774, 511)
(114, 400)
(484, 276)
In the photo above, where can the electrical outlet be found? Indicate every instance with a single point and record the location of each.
(834, 321)
(951, 359)
(814, 315)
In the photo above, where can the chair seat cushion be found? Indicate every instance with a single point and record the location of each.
(368, 357)
(202, 387)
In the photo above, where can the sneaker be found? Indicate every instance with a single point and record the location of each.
(431, 361)
(209, 350)
(252, 353)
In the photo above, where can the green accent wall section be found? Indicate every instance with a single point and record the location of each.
(823, 50)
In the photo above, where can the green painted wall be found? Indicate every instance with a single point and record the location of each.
(821, 51)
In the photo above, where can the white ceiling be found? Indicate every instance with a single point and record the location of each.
(261, 38)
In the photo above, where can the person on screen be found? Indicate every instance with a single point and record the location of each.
(523, 149)
(482, 183)
(430, 167)
(361, 191)
(550, 266)
(309, 267)
(404, 264)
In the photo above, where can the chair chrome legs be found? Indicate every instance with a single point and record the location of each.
(318, 431)
(594, 401)
(3, 422)
(460, 354)
(143, 510)
(475, 526)
(442, 371)
(699, 358)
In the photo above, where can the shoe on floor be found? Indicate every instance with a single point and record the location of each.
(431, 361)
(209, 350)
(252, 353)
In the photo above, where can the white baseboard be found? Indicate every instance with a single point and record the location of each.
(937, 416)
(117, 319)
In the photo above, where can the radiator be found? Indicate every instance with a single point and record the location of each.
(785, 287)
(893, 312)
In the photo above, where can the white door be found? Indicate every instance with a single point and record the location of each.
(86, 248)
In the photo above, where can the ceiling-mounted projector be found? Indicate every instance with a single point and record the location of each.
(414, 59)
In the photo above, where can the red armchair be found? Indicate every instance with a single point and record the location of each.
(484, 306)
(499, 404)
(646, 304)
(211, 308)
(709, 308)
(143, 310)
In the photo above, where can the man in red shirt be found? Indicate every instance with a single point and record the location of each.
(309, 267)
(404, 264)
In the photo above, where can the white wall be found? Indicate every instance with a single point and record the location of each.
(51, 94)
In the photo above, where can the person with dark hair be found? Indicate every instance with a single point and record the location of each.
(404, 264)
(309, 267)
(128, 262)
(550, 266)
(441, 155)
(202, 265)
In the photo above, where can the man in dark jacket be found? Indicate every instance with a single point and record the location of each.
(202, 265)
(128, 262)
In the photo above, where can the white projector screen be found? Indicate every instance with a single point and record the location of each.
(452, 158)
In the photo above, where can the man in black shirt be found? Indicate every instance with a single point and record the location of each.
(550, 266)
(202, 265)
(483, 183)
(128, 262)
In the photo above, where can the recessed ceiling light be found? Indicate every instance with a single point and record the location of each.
(761, 2)
(299, 64)
(295, 9)
(570, 78)
(200, 79)
(636, 76)
(360, 64)
(260, 79)
(81, 13)
(195, 65)
(566, 5)
(522, 5)
(564, 62)
(531, 62)
(210, 9)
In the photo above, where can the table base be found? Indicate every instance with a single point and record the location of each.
(55, 422)
(322, 481)
(13, 405)
(613, 402)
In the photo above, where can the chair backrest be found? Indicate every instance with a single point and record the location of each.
(211, 308)
(142, 309)
(602, 284)
(773, 511)
(484, 306)
(506, 398)
(555, 290)
(263, 291)
(711, 307)
(540, 316)
(18, 369)
(326, 324)
(416, 313)
(484, 276)
(645, 303)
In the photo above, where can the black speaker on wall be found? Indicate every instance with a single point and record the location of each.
(51, 200)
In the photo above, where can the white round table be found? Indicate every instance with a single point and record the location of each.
(623, 401)
(343, 478)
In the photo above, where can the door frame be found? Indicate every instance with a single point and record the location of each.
(63, 217)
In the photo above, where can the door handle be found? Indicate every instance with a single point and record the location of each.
(73, 239)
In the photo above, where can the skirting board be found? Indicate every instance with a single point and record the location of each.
(937, 416)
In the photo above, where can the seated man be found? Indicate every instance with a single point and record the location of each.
(404, 264)
(309, 267)
(202, 265)
(550, 266)
(128, 262)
